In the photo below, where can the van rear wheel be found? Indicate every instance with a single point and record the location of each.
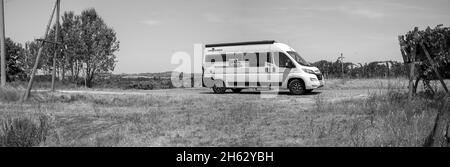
(219, 90)
(297, 87)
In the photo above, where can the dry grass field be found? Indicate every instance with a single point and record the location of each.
(371, 112)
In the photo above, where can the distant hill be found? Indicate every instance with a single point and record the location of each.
(166, 74)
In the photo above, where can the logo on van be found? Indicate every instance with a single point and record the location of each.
(214, 49)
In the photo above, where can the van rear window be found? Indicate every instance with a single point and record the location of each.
(214, 58)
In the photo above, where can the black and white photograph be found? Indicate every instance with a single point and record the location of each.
(224, 74)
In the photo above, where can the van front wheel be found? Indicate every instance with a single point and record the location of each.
(297, 87)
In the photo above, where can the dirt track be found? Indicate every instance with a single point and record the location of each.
(250, 95)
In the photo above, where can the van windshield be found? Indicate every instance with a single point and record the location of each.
(298, 58)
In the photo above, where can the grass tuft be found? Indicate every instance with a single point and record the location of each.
(384, 119)
(9, 94)
(24, 131)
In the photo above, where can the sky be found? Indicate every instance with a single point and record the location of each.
(151, 31)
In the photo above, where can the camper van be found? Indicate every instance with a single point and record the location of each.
(257, 65)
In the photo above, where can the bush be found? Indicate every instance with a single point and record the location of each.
(9, 94)
(24, 131)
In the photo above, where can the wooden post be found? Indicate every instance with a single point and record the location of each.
(181, 77)
(387, 66)
(2, 43)
(342, 65)
(434, 67)
(440, 134)
(192, 80)
(56, 45)
(30, 83)
(412, 72)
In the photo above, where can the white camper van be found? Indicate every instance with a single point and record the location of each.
(258, 65)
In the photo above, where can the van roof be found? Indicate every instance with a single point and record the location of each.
(240, 43)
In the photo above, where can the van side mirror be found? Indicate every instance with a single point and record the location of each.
(289, 64)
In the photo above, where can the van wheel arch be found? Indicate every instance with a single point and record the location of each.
(291, 79)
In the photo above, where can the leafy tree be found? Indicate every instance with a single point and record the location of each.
(98, 44)
(437, 42)
(88, 47)
(15, 55)
(70, 31)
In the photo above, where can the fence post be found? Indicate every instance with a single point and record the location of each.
(412, 72)
(434, 67)
(181, 78)
(192, 80)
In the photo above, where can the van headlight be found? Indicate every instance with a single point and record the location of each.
(308, 71)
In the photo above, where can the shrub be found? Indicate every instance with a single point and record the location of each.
(24, 131)
(9, 94)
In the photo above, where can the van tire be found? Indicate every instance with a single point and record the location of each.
(236, 90)
(297, 87)
(219, 90)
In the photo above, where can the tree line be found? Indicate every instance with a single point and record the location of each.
(436, 41)
(87, 47)
(377, 69)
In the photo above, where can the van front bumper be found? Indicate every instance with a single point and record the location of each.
(313, 85)
(314, 81)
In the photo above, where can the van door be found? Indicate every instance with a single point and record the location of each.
(281, 68)
(266, 75)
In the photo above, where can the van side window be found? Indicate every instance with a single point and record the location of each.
(252, 59)
(213, 58)
(263, 58)
(258, 59)
(281, 60)
(239, 56)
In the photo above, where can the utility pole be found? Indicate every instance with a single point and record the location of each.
(56, 45)
(2, 45)
(30, 83)
(341, 58)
